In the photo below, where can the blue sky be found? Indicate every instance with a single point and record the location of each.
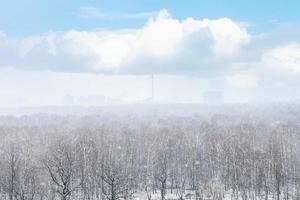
(32, 17)
(247, 50)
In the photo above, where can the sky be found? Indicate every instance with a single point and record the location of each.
(248, 51)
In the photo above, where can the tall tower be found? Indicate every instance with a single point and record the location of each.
(152, 82)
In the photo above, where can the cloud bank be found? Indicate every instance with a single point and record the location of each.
(165, 45)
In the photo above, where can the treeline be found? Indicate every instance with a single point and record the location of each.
(174, 157)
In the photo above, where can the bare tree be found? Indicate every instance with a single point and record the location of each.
(11, 166)
(60, 162)
(116, 180)
(161, 173)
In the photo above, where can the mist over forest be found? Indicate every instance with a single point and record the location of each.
(151, 152)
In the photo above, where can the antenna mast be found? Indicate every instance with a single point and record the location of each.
(152, 79)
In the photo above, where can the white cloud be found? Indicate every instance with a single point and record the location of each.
(191, 55)
(243, 81)
(187, 46)
(93, 12)
(100, 52)
(160, 37)
(284, 58)
(228, 36)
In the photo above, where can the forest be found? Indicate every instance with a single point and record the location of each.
(111, 156)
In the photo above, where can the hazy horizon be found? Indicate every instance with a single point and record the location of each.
(80, 53)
